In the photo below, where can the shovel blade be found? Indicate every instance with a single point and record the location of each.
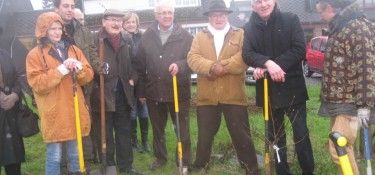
(110, 170)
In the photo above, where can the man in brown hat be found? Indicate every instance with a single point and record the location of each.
(118, 87)
(216, 56)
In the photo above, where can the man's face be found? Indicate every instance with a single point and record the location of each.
(326, 14)
(54, 32)
(79, 17)
(218, 20)
(165, 17)
(264, 8)
(130, 25)
(66, 10)
(112, 25)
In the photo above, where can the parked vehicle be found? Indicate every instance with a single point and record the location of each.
(314, 56)
(249, 76)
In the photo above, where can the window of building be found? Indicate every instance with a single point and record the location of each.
(178, 3)
(369, 3)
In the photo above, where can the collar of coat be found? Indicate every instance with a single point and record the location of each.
(353, 11)
(232, 28)
(177, 29)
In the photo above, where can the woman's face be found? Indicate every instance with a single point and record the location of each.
(54, 32)
(130, 25)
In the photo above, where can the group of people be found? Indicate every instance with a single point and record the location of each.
(138, 68)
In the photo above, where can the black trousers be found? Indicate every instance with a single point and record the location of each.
(236, 118)
(117, 134)
(158, 112)
(12, 169)
(301, 138)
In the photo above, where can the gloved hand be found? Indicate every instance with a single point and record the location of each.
(102, 68)
(363, 115)
(8, 101)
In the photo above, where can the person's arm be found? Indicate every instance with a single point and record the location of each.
(85, 75)
(235, 64)
(42, 81)
(195, 59)
(297, 51)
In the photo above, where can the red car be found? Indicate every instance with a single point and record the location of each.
(315, 56)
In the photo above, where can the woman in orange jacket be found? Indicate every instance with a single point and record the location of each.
(49, 68)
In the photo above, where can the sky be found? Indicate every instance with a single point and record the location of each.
(37, 4)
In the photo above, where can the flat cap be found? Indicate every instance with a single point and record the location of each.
(113, 12)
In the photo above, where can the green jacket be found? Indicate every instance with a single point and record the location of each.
(84, 40)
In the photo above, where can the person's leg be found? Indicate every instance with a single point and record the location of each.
(64, 160)
(184, 123)
(87, 151)
(109, 126)
(122, 127)
(208, 119)
(53, 158)
(73, 160)
(133, 124)
(158, 116)
(143, 122)
(96, 136)
(12, 169)
(297, 117)
(347, 126)
(278, 138)
(238, 126)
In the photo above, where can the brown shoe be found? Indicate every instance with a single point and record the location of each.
(157, 164)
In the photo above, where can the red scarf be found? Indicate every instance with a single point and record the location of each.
(115, 41)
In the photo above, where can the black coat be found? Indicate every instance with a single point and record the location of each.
(282, 40)
(154, 59)
(11, 143)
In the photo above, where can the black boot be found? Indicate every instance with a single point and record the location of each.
(134, 138)
(144, 134)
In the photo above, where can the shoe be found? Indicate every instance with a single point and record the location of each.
(146, 147)
(131, 171)
(157, 164)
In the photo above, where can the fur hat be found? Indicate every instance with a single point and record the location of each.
(45, 21)
(217, 6)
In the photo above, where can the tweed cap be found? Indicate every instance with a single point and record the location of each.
(113, 12)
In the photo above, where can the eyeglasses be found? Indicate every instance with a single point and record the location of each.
(217, 16)
(258, 2)
(165, 13)
(114, 20)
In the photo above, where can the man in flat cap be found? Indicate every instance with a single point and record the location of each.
(119, 88)
(216, 56)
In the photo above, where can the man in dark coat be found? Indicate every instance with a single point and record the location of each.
(274, 42)
(118, 91)
(161, 55)
(12, 150)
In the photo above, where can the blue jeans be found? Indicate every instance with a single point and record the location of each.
(53, 157)
(140, 110)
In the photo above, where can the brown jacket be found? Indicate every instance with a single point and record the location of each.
(228, 89)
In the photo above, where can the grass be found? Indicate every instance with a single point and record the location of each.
(223, 161)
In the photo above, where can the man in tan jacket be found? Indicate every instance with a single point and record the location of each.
(216, 56)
